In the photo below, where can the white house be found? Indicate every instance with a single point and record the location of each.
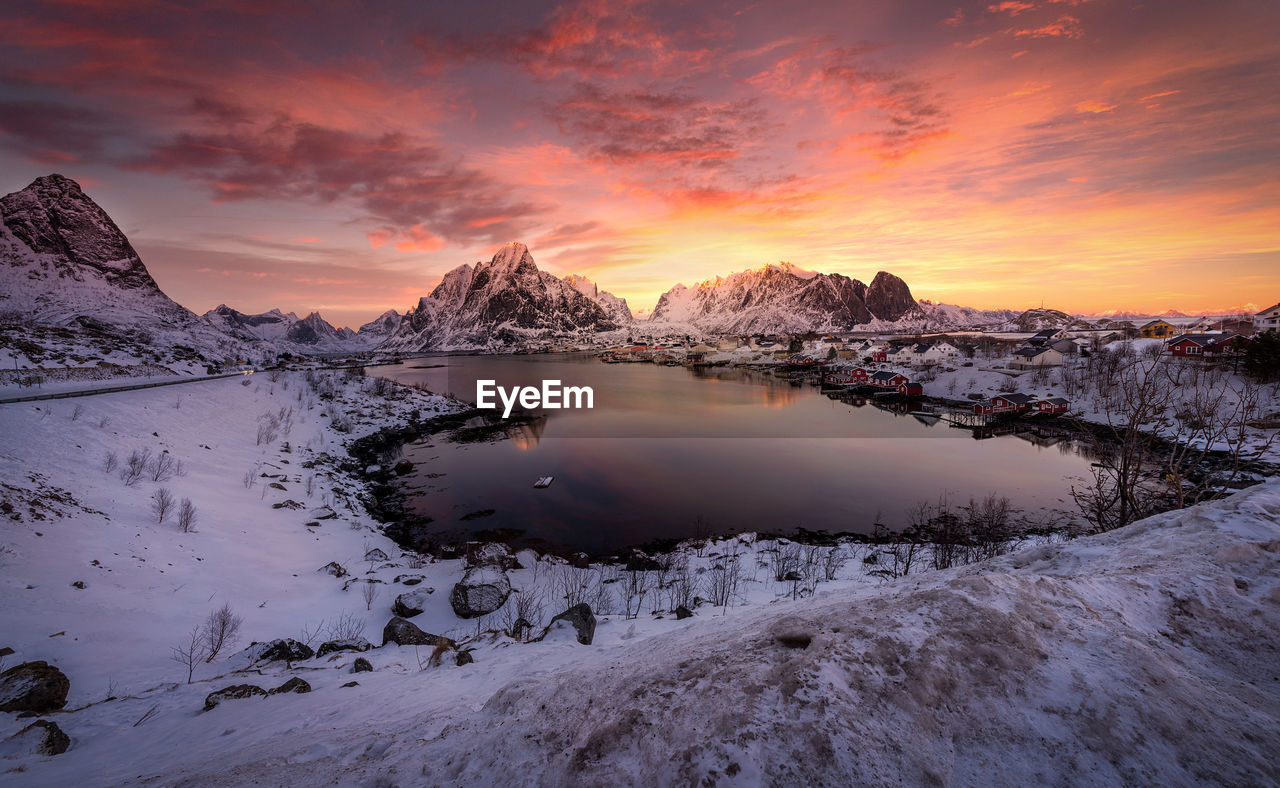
(1031, 357)
(934, 353)
(1268, 319)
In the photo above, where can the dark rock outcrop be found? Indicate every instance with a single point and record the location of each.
(41, 737)
(404, 633)
(294, 684)
(234, 692)
(348, 644)
(279, 650)
(411, 603)
(36, 687)
(361, 665)
(581, 619)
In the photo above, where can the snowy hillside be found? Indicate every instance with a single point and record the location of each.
(277, 331)
(1146, 655)
(497, 305)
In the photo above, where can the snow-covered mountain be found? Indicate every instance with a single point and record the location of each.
(615, 307)
(784, 298)
(498, 304)
(376, 331)
(286, 331)
(64, 264)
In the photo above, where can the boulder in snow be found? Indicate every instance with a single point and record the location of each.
(33, 686)
(404, 633)
(295, 685)
(491, 554)
(482, 590)
(375, 555)
(361, 665)
(580, 618)
(281, 649)
(322, 513)
(39, 738)
(683, 612)
(411, 603)
(234, 692)
(347, 644)
(334, 568)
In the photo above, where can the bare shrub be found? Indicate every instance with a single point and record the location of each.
(110, 462)
(311, 633)
(633, 588)
(568, 584)
(522, 615)
(832, 561)
(77, 412)
(186, 516)
(370, 593)
(684, 584)
(161, 504)
(725, 577)
(220, 629)
(135, 467)
(347, 626)
(164, 467)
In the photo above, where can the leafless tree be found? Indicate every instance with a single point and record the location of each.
(1137, 403)
(110, 462)
(568, 584)
(164, 467)
(832, 561)
(684, 584)
(725, 577)
(186, 516)
(161, 504)
(220, 629)
(634, 586)
(191, 651)
(370, 593)
(135, 467)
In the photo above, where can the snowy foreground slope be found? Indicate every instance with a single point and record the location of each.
(1148, 655)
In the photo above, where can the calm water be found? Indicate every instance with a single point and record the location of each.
(668, 452)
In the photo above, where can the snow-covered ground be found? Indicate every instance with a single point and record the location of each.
(1145, 655)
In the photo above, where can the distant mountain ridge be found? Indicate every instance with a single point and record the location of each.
(63, 262)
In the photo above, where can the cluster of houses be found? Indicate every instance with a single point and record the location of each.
(885, 380)
(1020, 403)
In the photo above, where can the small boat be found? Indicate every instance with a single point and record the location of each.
(543, 481)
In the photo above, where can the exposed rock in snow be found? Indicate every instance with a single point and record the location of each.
(41, 737)
(482, 590)
(405, 633)
(234, 692)
(33, 686)
(498, 304)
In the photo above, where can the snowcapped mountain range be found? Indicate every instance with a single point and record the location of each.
(64, 265)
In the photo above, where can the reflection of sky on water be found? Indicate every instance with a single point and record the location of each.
(638, 479)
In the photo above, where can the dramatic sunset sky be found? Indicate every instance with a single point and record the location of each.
(1093, 154)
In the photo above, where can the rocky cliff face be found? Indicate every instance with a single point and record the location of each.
(784, 298)
(54, 219)
(499, 303)
(616, 308)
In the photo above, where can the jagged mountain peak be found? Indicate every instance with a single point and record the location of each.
(502, 302)
(53, 216)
